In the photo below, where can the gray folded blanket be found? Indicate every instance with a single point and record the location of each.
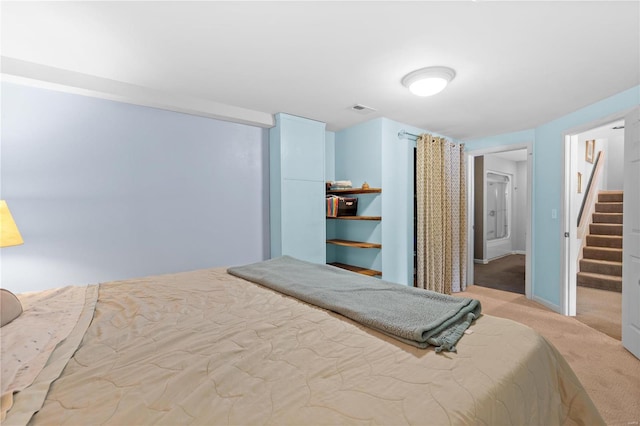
(412, 315)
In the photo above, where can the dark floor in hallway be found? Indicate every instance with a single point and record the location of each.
(505, 273)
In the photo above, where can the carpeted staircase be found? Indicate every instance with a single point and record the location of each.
(601, 265)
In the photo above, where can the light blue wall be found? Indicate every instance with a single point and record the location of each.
(358, 154)
(397, 206)
(330, 155)
(547, 185)
(358, 157)
(104, 190)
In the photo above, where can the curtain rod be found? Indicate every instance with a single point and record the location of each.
(403, 134)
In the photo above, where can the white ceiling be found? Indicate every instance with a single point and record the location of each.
(519, 64)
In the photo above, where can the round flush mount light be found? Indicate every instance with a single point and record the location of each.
(428, 81)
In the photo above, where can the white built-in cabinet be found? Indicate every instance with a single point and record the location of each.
(297, 188)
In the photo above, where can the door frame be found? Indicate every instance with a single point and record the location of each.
(569, 246)
(470, 155)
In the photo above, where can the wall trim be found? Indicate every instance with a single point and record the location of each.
(547, 304)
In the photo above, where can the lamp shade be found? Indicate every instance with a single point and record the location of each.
(9, 234)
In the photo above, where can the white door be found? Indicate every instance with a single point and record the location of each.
(631, 235)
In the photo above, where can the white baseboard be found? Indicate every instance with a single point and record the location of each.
(485, 261)
(547, 304)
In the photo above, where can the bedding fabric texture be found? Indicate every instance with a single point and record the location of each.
(10, 307)
(415, 316)
(206, 347)
(26, 344)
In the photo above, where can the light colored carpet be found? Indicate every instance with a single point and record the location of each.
(600, 309)
(609, 373)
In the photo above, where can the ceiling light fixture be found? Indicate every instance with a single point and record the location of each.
(428, 81)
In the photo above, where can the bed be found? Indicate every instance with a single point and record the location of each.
(209, 347)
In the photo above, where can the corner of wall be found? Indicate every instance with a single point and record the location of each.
(330, 155)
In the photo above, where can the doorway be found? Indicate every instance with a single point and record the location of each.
(506, 273)
(594, 169)
(499, 217)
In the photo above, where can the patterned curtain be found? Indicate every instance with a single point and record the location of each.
(442, 215)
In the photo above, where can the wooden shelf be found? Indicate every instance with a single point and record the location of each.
(356, 217)
(355, 244)
(357, 269)
(358, 244)
(354, 191)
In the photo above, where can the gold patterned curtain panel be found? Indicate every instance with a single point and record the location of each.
(441, 215)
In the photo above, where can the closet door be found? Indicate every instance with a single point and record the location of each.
(297, 188)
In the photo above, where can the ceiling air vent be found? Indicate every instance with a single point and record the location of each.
(361, 109)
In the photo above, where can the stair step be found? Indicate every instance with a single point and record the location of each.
(607, 218)
(604, 267)
(610, 196)
(602, 253)
(611, 241)
(602, 282)
(609, 207)
(605, 229)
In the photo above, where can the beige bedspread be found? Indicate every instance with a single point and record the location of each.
(205, 347)
(48, 318)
